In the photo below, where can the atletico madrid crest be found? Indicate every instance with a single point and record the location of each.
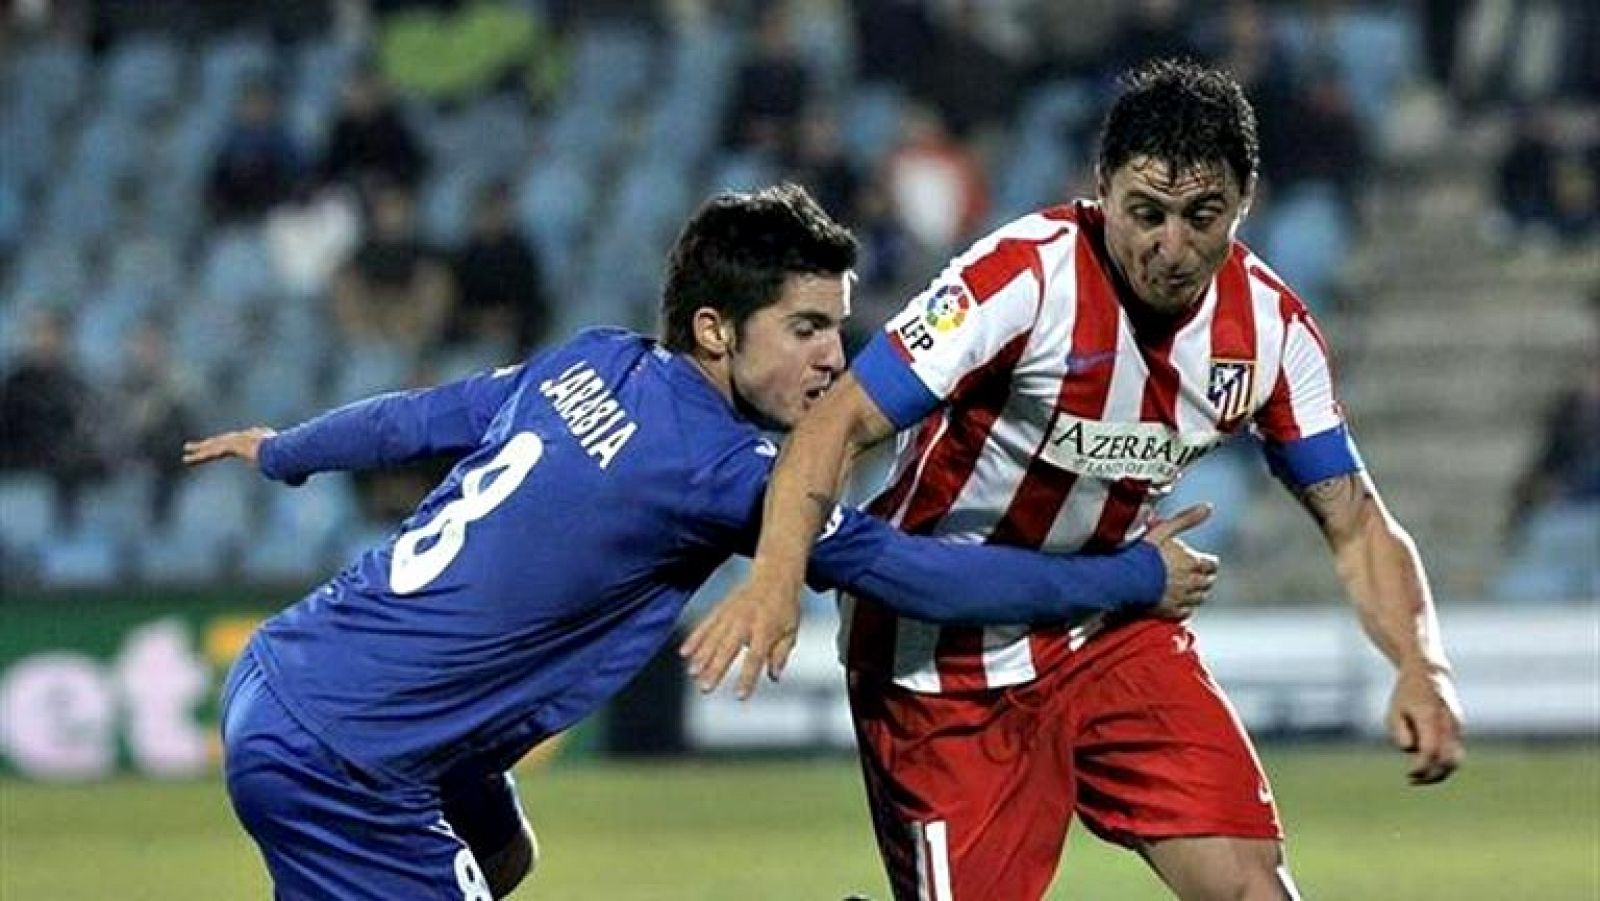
(1231, 389)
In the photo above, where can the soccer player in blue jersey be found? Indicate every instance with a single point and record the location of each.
(369, 727)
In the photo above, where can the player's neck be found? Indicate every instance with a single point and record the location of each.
(716, 371)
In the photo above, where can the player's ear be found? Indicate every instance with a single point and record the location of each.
(712, 333)
(1247, 196)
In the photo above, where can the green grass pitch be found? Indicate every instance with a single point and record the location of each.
(1515, 824)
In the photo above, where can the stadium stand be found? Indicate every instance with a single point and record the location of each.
(609, 130)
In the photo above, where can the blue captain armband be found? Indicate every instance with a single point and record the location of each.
(889, 380)
(1306, 461)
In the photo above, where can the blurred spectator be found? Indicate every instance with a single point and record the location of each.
(892, 38)
(504, 307)
(158, 404)
(395, 292)
(886, 268)
(1242, 42)
(821, 165)
(936, 183)
(1554, 524)
(1548, 177)
(48, 412)
(974, 84)
(370, 140)
(1567, 466)
(257, 165)
(1318, 138)
(311, 238)
(1152, 28)
(771, 90)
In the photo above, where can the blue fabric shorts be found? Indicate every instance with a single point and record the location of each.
(331, 831)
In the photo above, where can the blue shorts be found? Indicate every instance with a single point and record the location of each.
(331, 831)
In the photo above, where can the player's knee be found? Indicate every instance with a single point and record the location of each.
(1251, 879)
(506, 868)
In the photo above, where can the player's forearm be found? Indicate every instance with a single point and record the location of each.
(803, 489)
(372, 433)
(1383, 575)
(805, 485)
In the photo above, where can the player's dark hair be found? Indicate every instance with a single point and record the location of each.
(1184, 114)
(738, 249)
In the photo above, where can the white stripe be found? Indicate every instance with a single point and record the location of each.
(1007, 656)
(1310, 384)
(940, 859)
(1191, 357)
(1269, 337)
(922, 862)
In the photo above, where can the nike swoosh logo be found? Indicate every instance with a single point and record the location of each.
(1084, 362)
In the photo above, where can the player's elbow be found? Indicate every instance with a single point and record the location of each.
(845, 417)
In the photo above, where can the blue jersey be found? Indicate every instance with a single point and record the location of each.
(599, 485)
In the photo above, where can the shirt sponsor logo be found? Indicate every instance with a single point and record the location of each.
(1231, 389)
(1149, 451)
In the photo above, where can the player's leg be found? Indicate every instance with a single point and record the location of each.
(970, 794)
(1218, 868)
(1165, 768)
(487, 815)
(325, 829)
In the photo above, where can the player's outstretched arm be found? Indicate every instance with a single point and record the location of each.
(1383, 576)
(243, 444)
(367, 434)
(946, 582)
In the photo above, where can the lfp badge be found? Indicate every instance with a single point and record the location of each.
(947, 308)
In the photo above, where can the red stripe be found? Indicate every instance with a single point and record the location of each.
(975, 405)
(899, 345)
(992, 272)
(872, 627)
(1233, 327)
(1160, 404)
(1044, 488)
(1277, 417)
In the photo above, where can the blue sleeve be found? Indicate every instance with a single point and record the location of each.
(1307, 461)
(929, 578)
(389, 429)
(892, 385)
(952, 583)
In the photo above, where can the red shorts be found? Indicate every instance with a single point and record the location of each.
(972, 792)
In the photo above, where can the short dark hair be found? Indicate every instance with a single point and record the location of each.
(1184, 114)
(738, 249)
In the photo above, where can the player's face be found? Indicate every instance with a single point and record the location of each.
(1169, 232)
(788, 353)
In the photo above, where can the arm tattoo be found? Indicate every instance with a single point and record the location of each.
(1336, 503)
(825, 504)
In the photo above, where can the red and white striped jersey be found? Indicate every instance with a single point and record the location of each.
(1041, 419)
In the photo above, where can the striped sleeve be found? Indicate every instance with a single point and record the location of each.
(978, 305)
(1302, 422)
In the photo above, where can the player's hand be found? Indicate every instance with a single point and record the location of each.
(1425, 721)
(244, 444)
(1190, 573)
(761, 619)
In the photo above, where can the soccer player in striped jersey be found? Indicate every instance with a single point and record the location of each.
(367, 728)
(1049, 387)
